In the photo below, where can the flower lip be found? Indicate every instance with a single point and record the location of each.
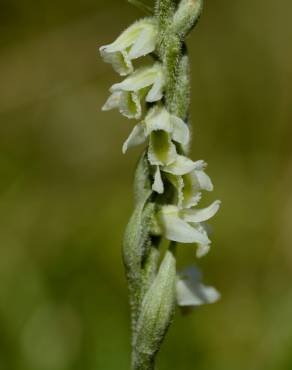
(128, 104)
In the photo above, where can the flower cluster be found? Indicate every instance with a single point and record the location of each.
(167, 136)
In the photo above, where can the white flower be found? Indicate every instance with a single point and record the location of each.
(189, 185)
(159, 118)
(162, 128)
(127, 95)
(191, 292)
(184, 225)
(128, 104)
(136, 41)
(178, 166)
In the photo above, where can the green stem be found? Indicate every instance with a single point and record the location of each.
(143, 361)
(153, 293)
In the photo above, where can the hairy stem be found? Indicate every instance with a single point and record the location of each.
(152, 287)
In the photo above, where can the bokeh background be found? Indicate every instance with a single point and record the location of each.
(65, 189)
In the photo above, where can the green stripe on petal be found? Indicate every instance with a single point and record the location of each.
(191, 195)
(119, 60)
(178, 183)
(130, 105)
(161, 149)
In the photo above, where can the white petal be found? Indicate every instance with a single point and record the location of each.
(157, 119)
(140, 79)
(177, 229)
(158, 183)
(181, 132)
(181, 166)
(204, 181)
(130, 105)
(136, 137)
(113, 101)
(202, 250)
(156, 92)
(188, 295)
(191, 292)
(139, 39)
(145, 43)
(200, 179)
(200, 215)
(161, 149)
(130, 35)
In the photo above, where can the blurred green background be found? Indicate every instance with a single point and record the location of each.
(65, 190)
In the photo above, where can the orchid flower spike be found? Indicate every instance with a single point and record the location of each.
(167, 184)
(147, 82)
(136, 41)
(191, 291)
